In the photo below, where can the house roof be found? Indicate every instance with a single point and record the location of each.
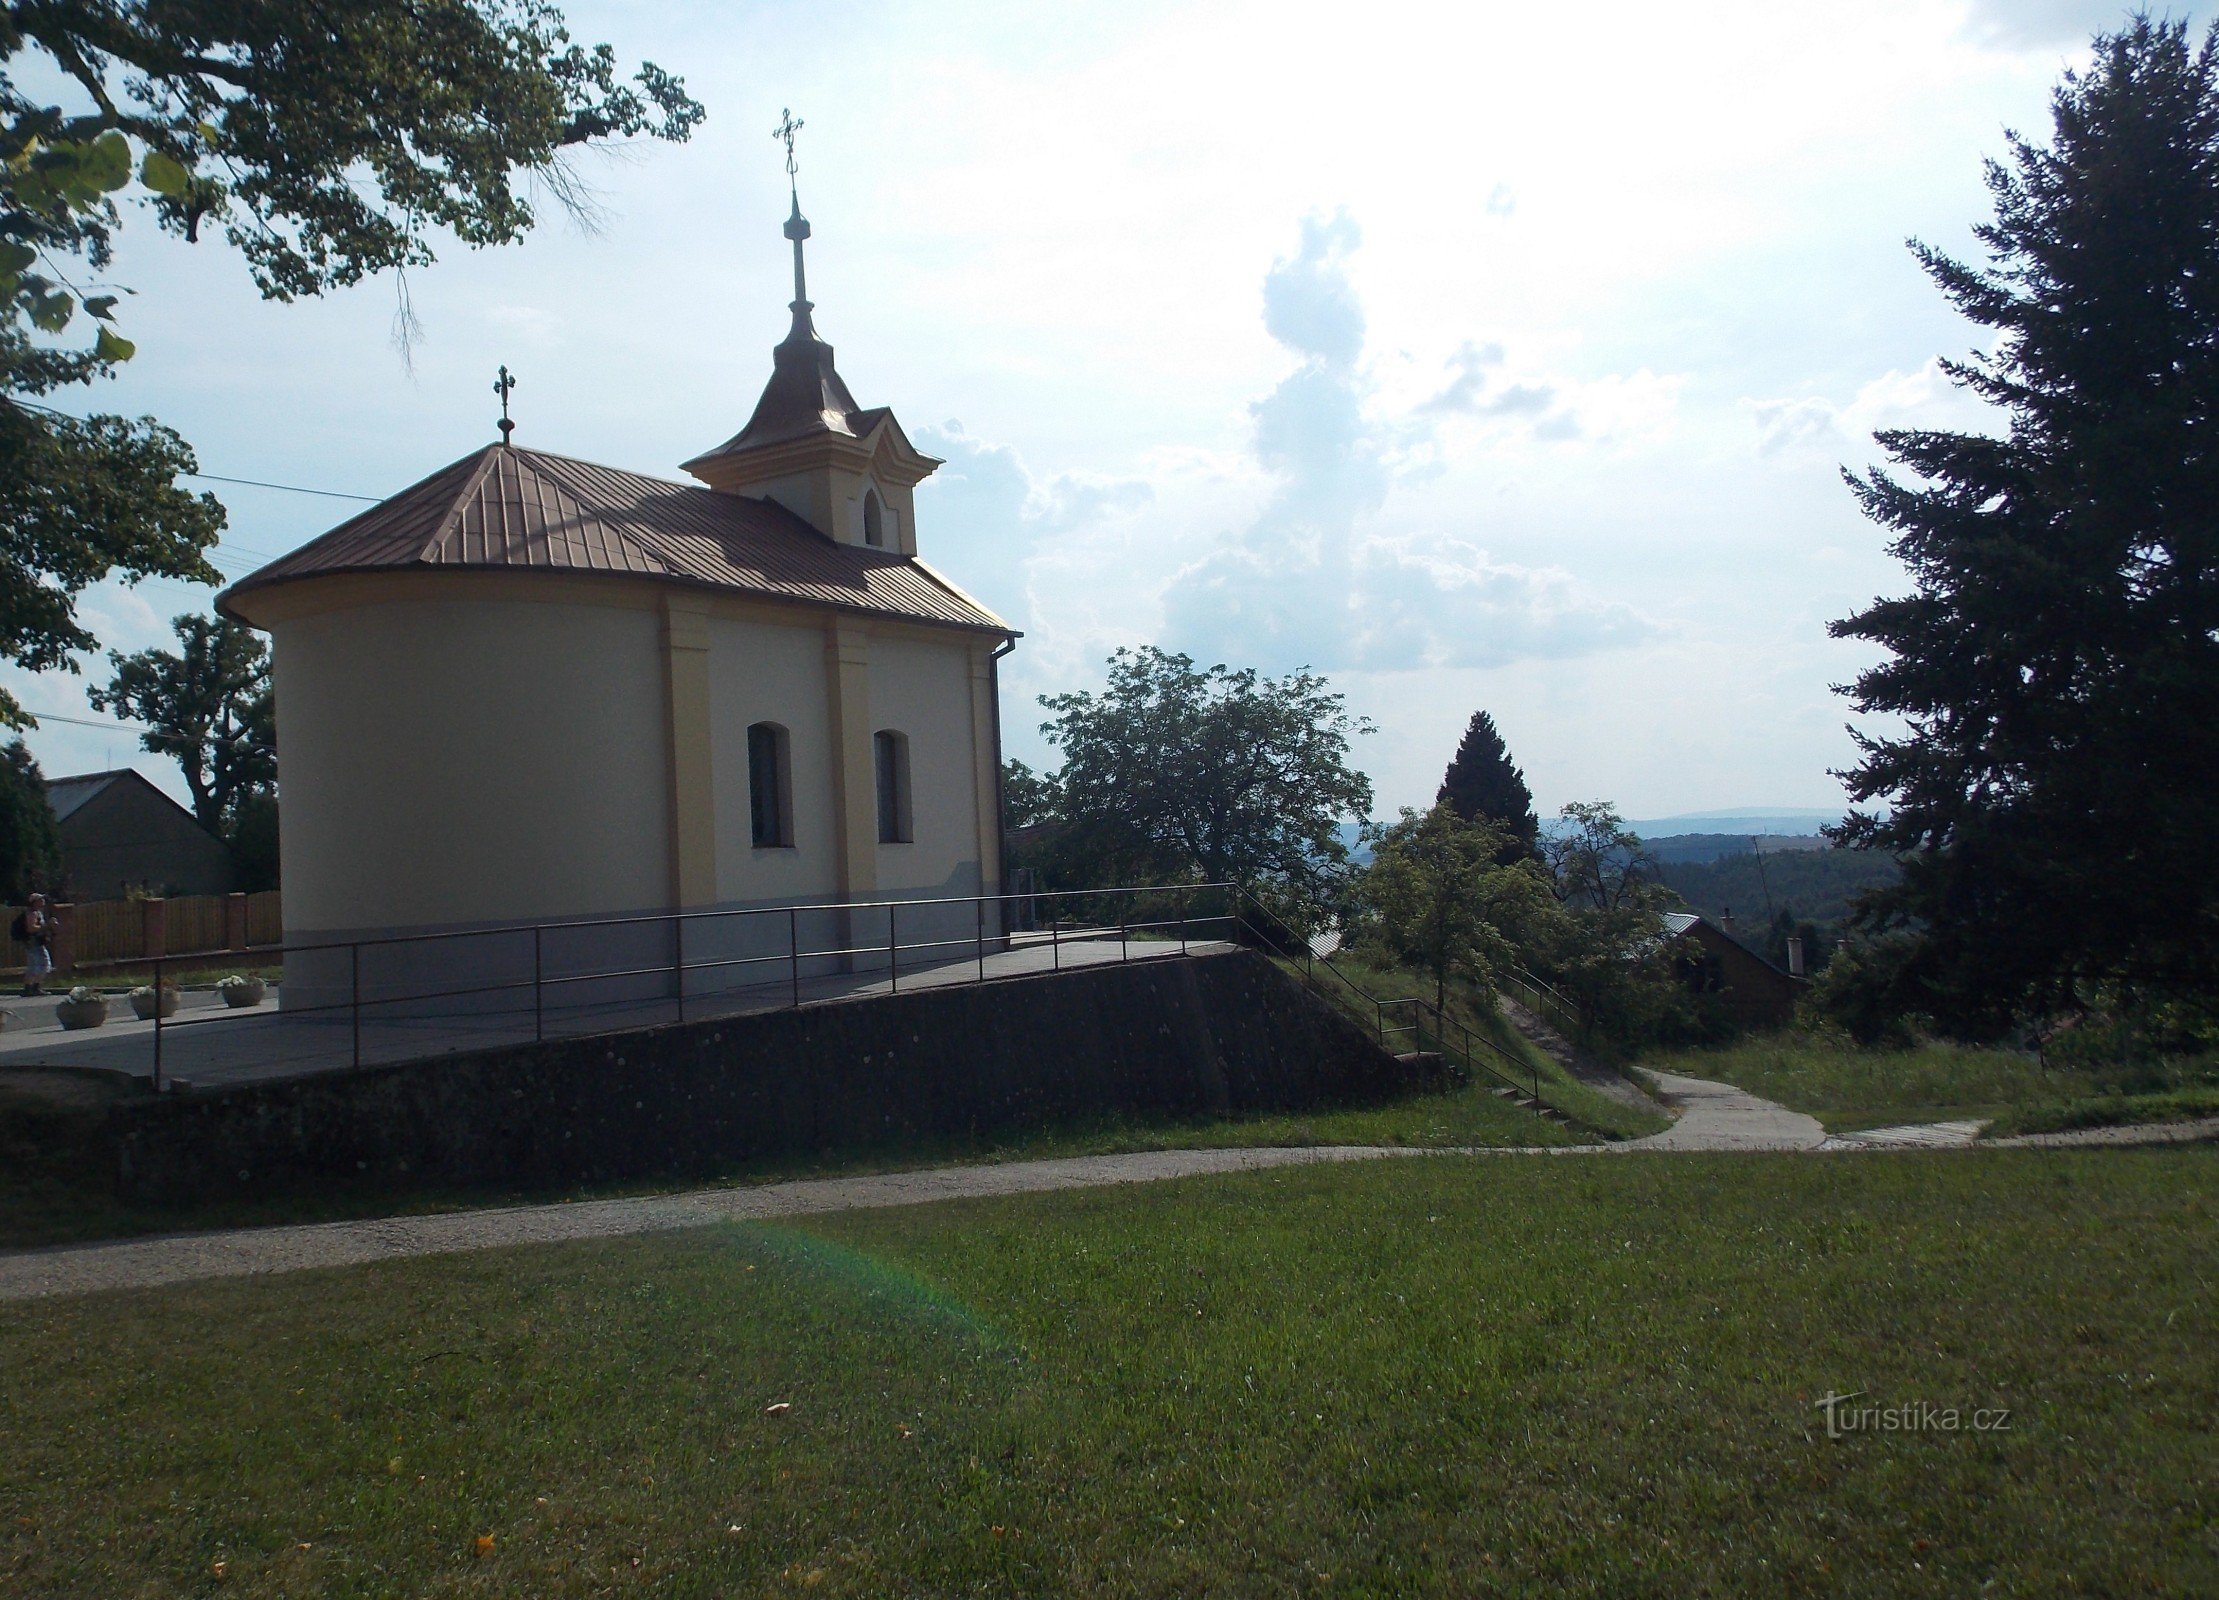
(67, 794)
(506, 509)
(1677, 923)
(72, 794)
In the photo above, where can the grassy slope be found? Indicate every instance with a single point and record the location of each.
(1594, 1112)
(1545, 1377)
(1847, 1088)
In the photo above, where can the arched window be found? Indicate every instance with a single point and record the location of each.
(893, 787)
(874, 518)
(770, 788)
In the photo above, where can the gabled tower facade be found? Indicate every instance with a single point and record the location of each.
(848, 472)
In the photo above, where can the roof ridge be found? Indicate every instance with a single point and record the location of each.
(603, 466)
(549, 467)
(452, 516)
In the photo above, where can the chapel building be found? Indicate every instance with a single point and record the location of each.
(532, 689)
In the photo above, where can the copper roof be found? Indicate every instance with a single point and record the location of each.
(504, 508)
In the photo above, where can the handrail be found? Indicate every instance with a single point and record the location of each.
(1547, 998)
(1421, 1007)
(850, 943)
(1474, 1053)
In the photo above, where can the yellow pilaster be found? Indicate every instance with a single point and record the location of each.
(985, 779)
(693, 812)
(847, 655)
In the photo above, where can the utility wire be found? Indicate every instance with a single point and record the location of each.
(87, 722)
(289, 488)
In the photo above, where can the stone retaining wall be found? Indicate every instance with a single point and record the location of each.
(1168, 1037)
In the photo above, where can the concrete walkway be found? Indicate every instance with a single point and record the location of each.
(1909, 1136)
(1717, 1116)
(245, 1252)
(1714, 1118)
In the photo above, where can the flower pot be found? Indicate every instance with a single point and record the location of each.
(81, 1013)
(249, 993)
(142, 1002)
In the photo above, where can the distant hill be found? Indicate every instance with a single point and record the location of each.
(1710, 846)
(1768, 821)
(1816, 885)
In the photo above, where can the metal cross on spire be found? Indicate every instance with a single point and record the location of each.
(786, 129)
(502, 386)
(797, 225)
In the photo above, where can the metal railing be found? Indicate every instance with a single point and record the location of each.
(1476, 1054)
(1546, 1002)
(1161, 919)
(951, 940)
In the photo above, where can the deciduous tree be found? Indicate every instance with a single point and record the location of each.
(1209, 772)
(1442, 902)
(208, 707)
(324, 142)
(1596, 862)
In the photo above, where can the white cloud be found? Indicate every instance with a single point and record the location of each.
(1924, 397)
(1313, 580)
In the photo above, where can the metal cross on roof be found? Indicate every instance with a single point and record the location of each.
(786, 129)
(501, 386)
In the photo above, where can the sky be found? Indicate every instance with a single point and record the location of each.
(1476, 356)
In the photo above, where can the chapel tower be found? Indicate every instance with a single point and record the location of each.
(846, 471)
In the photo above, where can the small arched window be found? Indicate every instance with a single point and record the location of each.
(874, 518)
(893, 787)
(770, 789)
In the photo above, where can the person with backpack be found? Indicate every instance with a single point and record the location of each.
(34, 930)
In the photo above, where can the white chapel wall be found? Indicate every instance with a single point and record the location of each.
(922, 688)
(772, 672)
(470, 761)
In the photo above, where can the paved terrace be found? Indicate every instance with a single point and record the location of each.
(207, 1045)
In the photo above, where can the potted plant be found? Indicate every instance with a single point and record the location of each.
(143, 1000)
(82, 1008)
(242, 989)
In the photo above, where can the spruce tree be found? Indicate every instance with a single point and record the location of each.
(1483, 782)
(2055, 669)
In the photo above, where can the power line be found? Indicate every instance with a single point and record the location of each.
(212, 477)
(289, 488)
(87, 722)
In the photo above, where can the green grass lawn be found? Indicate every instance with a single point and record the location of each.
(1505, 1375)
(2108, 1111)
(1847, 1088)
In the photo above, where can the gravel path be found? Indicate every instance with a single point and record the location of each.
(1714, 1117)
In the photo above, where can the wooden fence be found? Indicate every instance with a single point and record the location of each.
(104, 931)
